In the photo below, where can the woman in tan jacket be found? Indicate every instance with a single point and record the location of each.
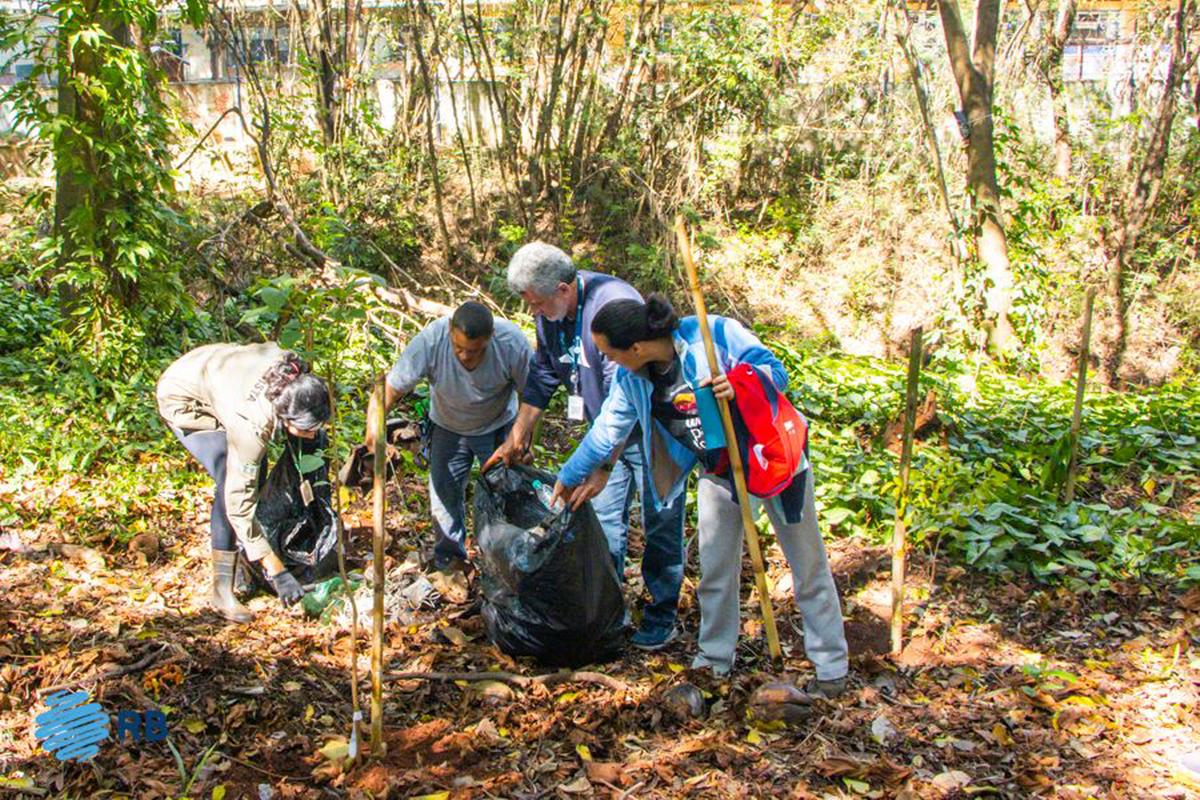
(224, 403)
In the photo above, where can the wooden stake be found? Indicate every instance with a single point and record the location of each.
(355, 708)
(380, 505)
(735, 456)
(899, 532)
(1080, 385)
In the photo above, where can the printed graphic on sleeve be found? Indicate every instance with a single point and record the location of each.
(73, 727)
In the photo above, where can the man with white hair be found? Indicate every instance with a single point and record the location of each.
(564, 300)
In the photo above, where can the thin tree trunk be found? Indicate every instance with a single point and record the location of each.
(973, 75)
(1143, 193)
(903, 38)
(612, 124)
(1056, 41)
(462, 143)
(430, 90)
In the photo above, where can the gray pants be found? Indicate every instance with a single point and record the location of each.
(721, 535)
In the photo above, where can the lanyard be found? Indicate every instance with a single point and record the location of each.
(569, 352)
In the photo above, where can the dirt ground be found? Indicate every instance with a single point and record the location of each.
(1005, 689)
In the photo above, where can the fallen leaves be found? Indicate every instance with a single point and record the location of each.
(951, 779)
(276, 691)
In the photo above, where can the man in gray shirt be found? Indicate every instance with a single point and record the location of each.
(476, 367)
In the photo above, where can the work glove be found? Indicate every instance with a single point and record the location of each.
(287, 587)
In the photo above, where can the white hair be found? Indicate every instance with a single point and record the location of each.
(539, 268)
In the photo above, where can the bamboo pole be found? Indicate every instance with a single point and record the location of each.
(1080, 385)
(356, 709)
(380, 505)
(899, 532)
(735, 456)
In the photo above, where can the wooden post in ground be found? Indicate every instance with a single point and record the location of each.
(380, 505)
(1080, 384)
(335, 494)
(735, 455)
(899, 532)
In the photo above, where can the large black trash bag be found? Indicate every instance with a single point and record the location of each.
(549, 586)
(303, 536)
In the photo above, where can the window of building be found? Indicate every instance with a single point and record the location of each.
(1096, 27)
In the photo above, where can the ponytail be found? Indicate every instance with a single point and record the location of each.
(281, 374)
(298, 396)
(624, 323)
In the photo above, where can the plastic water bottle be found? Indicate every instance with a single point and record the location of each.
(545, 494)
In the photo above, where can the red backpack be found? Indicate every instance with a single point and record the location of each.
(771, 433)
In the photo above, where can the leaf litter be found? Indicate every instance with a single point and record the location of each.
(1005, 688)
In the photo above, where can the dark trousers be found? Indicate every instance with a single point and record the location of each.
(210, 448)
(451, 456)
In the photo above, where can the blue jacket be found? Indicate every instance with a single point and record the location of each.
(628, 403)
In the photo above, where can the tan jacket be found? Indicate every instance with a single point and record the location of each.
(220, 387)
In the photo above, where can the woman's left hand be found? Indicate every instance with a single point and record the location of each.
(721, 387)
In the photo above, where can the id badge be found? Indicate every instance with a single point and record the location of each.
(306, 491)
(575, 408)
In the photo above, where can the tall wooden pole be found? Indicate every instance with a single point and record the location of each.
(735, 455)
(356, 709)
(899, 532)
(380, 505)
(1080, 385)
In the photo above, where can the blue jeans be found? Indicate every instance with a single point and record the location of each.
(451, 456)
(663, 557)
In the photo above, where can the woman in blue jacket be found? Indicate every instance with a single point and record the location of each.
(662, 363)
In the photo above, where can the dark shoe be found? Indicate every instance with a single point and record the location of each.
(825, 690)
(222, 598)
(653, 637)
(450, 565)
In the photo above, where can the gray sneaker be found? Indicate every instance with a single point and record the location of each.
(651, 638)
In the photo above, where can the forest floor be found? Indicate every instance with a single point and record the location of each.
(1005, 689)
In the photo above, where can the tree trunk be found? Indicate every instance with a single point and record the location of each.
(904, 40)
(973, 75)
(1143, 193)
(430, 89)
(77, 182)
(1056, 41)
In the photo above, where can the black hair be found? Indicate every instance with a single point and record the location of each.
(474, 320)
(298, 396)
(626, 322)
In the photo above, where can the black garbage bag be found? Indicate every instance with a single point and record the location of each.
(304, 536)
(549, 586)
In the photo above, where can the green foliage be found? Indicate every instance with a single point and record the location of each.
(986, 487)
(335, 324)
(112, 259)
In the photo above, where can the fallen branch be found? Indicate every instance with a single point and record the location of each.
(128, 669)
(406, 299)
(555, 678)
(551, 679)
